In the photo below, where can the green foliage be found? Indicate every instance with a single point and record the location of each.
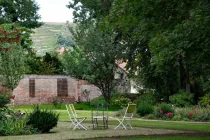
(182, 99)
(89, 9)
(205, 100)
(165, 43)
(93, 59)
(11, 60)
(165, 108)
(64, 41)
(57, 102)
(24, 12)
(144, 108)
(13, 123)
(42, 120)
(147, 97)
(5, 97)
(192, 114)
(120, 101)
(48, 64)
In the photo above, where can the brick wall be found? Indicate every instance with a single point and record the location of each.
(46, 89)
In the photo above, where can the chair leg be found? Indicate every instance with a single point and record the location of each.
(121, 123)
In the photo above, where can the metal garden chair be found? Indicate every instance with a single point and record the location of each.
(75, 121)
(128, 116)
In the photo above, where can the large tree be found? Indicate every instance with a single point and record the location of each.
(23, 12)
(165, 41)
(93, 59)
(11, 55)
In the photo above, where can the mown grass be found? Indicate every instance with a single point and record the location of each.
(86, 112)
(200, 127)
(170, 138)
(46, 35)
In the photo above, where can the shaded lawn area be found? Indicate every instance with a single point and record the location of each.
(169, 138)
(144, 129)
(192, 126)
(63, 132)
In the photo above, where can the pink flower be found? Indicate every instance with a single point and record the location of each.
(13, 96)
(169, 114)
(190, 114)
(161, 111)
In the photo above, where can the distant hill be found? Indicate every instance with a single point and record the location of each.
(50, 37)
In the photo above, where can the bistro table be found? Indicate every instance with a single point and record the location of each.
(99, 115)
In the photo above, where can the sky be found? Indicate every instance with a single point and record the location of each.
(54, 11)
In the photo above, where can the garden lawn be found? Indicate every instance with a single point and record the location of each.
(144, 129)
(169, 138)
(191, 126)
(200, 127)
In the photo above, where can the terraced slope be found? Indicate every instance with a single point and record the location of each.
(45, 37)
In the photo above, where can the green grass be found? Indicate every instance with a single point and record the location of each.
(86, 112)
(46, 35)
(78, 106)
(83, 110)
(201, 127)
(171, 138)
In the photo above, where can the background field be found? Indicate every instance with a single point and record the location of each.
(45, 37)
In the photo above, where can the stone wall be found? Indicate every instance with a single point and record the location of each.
(46, 90)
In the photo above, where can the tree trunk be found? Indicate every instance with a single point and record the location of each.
(182, 73)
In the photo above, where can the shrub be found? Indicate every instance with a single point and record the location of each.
(182, 99)
(194, 113)
(5, 97)
(205, 100)
(57, 102)
(97, 100)
(13, 123)
(144, 108)
(42, 120)
(148, 98)
(120, 101)
(165, 108)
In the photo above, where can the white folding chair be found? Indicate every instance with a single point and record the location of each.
(128, 116)
(75, 121)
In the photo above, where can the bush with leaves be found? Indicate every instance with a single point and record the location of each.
(57, 102)
(182, 99)
(5, 97)
(144, 108)
(14, 123)
(148, 98)
(164, 111)
(120, 101)
(205, 100)
(42, 120)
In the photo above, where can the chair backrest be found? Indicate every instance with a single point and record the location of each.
(68, 108)
(130, 110)
(100, 109)
(73, 110)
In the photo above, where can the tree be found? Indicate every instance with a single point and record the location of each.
(165, 42)
(48, 64)
(11, 56)
(88, 10)
(23, 12)
(93, 59)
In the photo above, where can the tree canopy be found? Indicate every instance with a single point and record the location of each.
(166, 42)
(22, 12)
(94, 58)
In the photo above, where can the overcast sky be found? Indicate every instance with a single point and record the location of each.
(54, 10)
